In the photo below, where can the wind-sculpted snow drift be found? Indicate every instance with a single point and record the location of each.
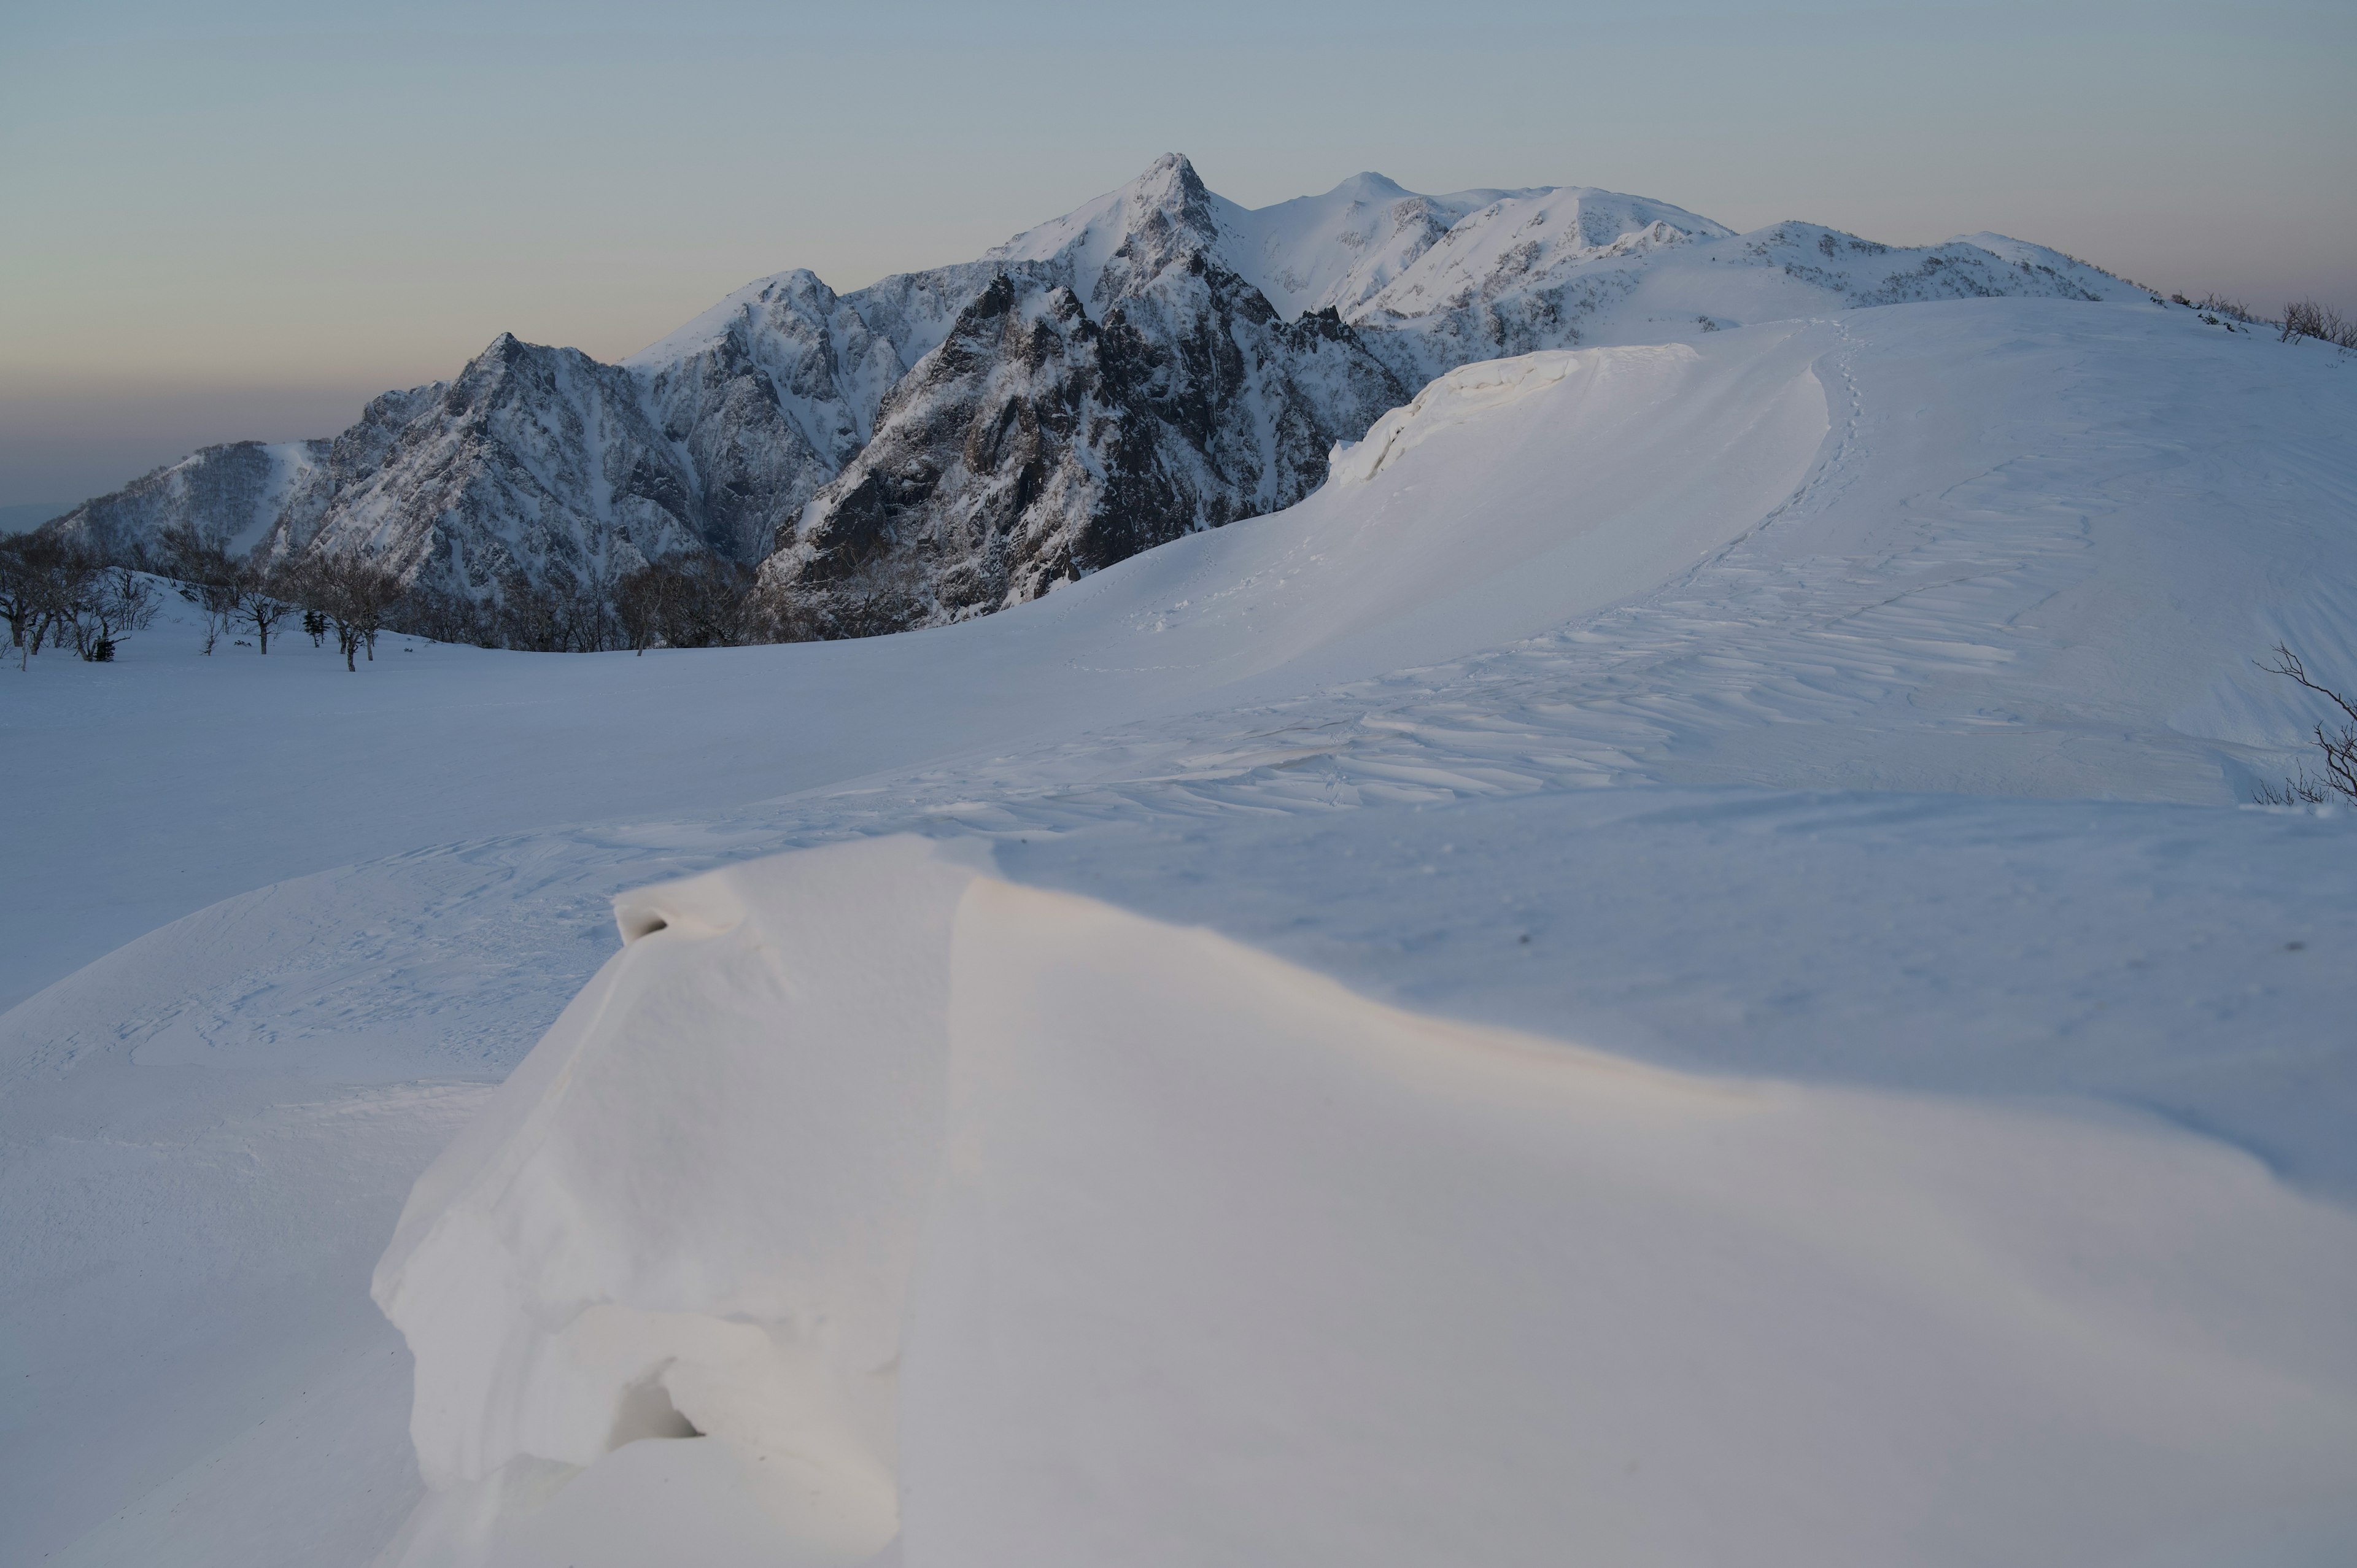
(885, 1200)
(1847, 714)
(943, 443)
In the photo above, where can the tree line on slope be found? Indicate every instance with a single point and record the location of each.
(55, 591)
(684, 602)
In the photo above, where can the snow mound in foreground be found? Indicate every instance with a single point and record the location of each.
(868, 1207)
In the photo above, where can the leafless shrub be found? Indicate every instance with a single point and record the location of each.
(2216, 303)
(2307, 318)
(206, 577)
(2335, 739)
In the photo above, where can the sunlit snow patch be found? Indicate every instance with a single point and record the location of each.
(981, 1224)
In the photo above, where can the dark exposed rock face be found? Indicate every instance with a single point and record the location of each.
(942, 444)
(1040, 441)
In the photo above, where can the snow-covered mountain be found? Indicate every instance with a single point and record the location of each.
(1116, 384)
(239, 492)
(945, 443)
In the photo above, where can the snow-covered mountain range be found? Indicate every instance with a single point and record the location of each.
(1158, 361)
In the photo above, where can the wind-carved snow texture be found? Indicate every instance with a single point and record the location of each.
(943, 443)
(1821, 604)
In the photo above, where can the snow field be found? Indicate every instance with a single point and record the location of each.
(1876, 628)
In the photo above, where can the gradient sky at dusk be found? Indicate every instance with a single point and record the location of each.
(242, 219)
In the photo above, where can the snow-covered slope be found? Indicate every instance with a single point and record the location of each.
(1681, 702)
(237, 494)
(534, 461)
(945, 443)
(1336, 251)
(1115, 1240)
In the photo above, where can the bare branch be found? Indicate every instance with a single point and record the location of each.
(2336, 741)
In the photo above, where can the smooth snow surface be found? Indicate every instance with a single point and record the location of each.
(1204, 1259)
(1829, 1071)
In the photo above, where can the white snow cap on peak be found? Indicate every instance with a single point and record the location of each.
(1342, 249)
(794, 287)
(1166, 205)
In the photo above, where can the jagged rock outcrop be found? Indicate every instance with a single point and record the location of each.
(1049, 434)
(940, 444)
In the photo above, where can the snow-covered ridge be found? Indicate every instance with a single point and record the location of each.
(1214, 356)
(1460, 395)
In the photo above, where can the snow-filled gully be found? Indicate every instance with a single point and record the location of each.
(969, 1223)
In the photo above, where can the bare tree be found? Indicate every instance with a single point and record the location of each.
(111, 604)
(642, 606)
(48, 584)
(263, 602)
(2336, 738)
(27, 561)
(353, 594)
(206, 577)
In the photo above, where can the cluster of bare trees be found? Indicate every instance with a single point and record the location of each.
(703, 603)
(54, 590)
(2301, 318)
(568, 613)
(2335, 739)
(354, 598)
(2307, 318)
(699, 602)
(229, 592)
(853, 597)
(52, 593)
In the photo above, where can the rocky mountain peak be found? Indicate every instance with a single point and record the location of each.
(942, 444)
(1116, 245)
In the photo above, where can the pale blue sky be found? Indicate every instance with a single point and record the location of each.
(241, 218)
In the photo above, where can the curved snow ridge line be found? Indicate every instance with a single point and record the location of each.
(1471, 391)
(1005, 1225)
